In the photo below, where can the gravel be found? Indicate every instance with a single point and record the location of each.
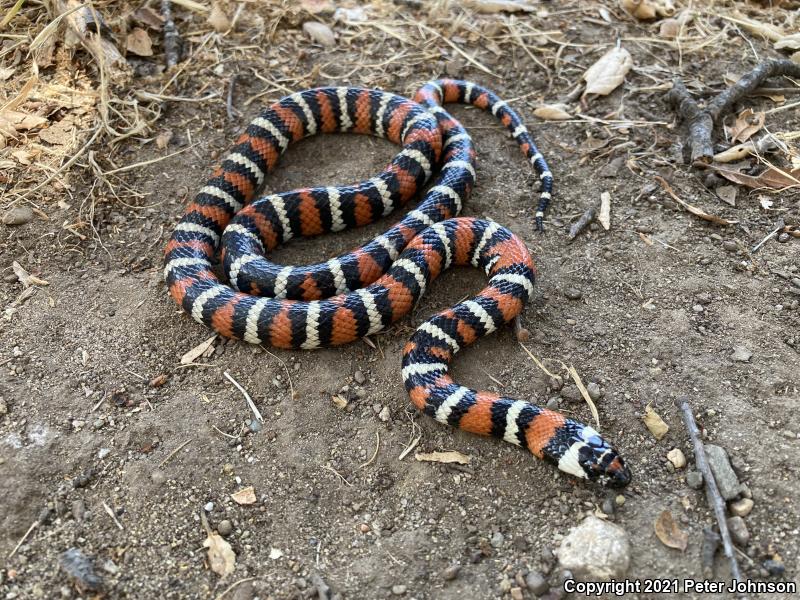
(596, 549)
(727, 481)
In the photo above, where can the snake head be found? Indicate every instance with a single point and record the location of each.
(589, 456)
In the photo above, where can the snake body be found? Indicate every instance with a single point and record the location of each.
(364, 291)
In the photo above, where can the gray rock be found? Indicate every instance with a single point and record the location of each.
(224, 528)
(727, 482)
(497, 539)
(741, 354)
(320, 33)
(451, 572)
(595, 391)
(729, 245)
(399, 590)
(738, 531)
(694, 479)
(359, 378)
(573, 293)
(571, 393)
(537, 583)
(596, 550)
(18, 215)
(742, 508)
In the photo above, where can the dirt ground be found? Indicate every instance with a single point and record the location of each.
(101, 460)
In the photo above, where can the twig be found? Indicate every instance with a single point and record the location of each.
(581, 223)
(374, 454)
(585, 393)
(228, 435)
(173, 453)
(233, 114)
(335, 472)
(410, 447)
(712, 491)
(147, 162)
(33, 526)
(233, 585)
(769, 236)
(247, 397)
(701, 121)
(172, 41)
(111, 514)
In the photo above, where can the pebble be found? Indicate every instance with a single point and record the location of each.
(742, 508)
(796, 282)
(573, 293)
(677, 458)
(784, 237)
(399, 590)
(103, 452)
(255, 425)
(451, 572)
(158, 477)
(536, 583)
(727, 482)
(516, 593)
(595, 392)
(225, 527)
(209, 506)
(385, 414)
(497, 539)
(320, 33)
(774, 567)
(738, 530)
(729, 245)
(571, 393)
(704, 298)
(552, 404)
(359, 377)
(608, 505)
(741, 354)
(78, 510)
(18, 215)
(596, 549)
(698, 308)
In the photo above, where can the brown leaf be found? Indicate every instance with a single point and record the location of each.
(773, 178)
(444, 457)
(139, 43)
(646, 10)
(317, 6)
(604, 76)
(727, 193)
(21, 121)
(691, 208)
(654, 423)
(221, 557)
(552, 112)
(218, 19)
(163, 138)
(747, 124)
(245, 496)
(147, 16)
(198, 351)
(669, 533)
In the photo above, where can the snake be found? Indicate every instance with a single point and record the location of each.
(230, 227)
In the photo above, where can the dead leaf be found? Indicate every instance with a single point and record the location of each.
(221, 557)
(604, 76)
(245, 496)
(552, 112)
(727, 193)
(21, 121)
(6, 73)
(317, 6)
(26, 278)
(139, 43)
(654, 423)
(444, 457)
(218, 19)
(163, 138)
(339, 401)
(747, 123)
(605, 211)
(772, 178)
(789, 42)
(769, 32)
(197, 351)
(691, 208)
(647, 10)
(669, 533)
(670, 28)
(147, 16)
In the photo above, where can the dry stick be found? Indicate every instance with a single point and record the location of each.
(173, 453)
(712, 491)
(701, 121)
(247, 397)
(581, 223)
(24, 537)
(172, 41)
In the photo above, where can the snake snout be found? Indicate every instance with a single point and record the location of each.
(601, 462)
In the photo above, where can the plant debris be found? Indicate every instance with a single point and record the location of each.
(669, 533)
(450, 456)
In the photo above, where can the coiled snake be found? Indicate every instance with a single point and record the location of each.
(366, 290)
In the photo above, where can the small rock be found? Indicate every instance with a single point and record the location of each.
(729, 246)
(3, 407)
(255, 425)
(536, 583)
(573, 293)
(595, 392)
(741, 354)
(742, 508)
(552, 404)
(516, 593)
(774, 567)
(698, 308)
(555, 383)
(451, 572)
(399, 590)
(158, 477)
(497, 539)
(704, 298)
(320, 33)
(78, 510)
(595, 549)
(608, 505)
(571, 393)
(738, 530)
(385, 414)
(359, 377)
(677, 458)
(103, 452)
(694, 479)
(18, 215)
(225, 527)
(784, 237)
(727, 482)
(209, 506)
